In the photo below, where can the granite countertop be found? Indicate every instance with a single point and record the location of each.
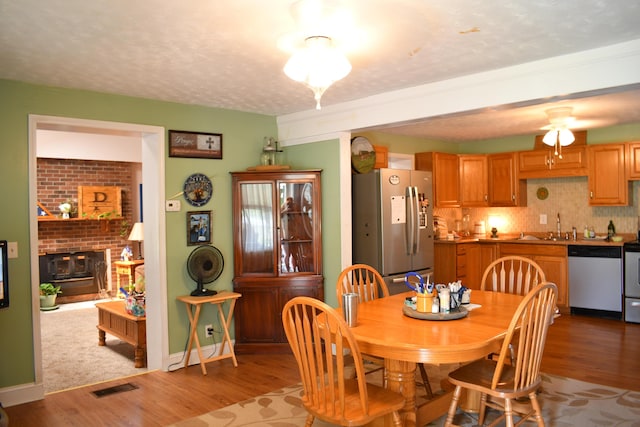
(542, 239)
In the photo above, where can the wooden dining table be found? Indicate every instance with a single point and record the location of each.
(383, 330)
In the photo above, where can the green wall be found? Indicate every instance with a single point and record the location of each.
(242, 144)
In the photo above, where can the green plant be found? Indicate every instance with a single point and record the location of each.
(49, 289)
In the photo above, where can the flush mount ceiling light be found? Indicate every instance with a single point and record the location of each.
(559, 135)
(318, 65)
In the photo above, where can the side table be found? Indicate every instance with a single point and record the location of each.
(126, 268)
(218, 300)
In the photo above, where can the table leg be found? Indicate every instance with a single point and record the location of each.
(193, 336)
(139, 357)
(101, 338)
(225, 327)
(401, 378)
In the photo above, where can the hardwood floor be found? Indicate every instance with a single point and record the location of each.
(594, 350)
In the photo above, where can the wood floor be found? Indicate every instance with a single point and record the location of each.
(584, 348)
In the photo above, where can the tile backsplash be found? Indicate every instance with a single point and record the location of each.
(567, 196)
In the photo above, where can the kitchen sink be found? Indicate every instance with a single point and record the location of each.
(529, 237)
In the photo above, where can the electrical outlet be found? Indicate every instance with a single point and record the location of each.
(208, 331)
(543, 219)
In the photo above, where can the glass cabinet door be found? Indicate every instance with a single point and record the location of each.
(257, 227)
(296, 227)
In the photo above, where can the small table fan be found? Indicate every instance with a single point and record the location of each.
(205, 265)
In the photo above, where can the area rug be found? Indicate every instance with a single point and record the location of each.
(565, 402)
(71, 356)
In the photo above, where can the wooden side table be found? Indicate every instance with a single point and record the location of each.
(126, 268)
(114, 319)
(218, 300)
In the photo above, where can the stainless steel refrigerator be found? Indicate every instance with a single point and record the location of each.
(393, 223)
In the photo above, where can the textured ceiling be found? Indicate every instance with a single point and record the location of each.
(230, 53)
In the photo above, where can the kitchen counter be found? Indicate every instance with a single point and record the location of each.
(515, 238)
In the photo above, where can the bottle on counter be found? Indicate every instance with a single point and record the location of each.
(592, 232)
(611, 230)
(586, 232)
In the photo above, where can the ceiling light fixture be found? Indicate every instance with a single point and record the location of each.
(318, 65)
(559, 135)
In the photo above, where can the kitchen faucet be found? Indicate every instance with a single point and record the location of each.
(558, 226)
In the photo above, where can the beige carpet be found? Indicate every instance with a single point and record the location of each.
(71, 356)
(565, 402)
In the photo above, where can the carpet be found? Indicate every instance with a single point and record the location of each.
(71, 356)
(565, 402)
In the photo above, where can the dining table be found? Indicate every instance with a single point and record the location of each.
(384, 330)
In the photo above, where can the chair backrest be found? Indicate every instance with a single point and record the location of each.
(513, 275)
(526, 338)
(321, 342)
(363, 280)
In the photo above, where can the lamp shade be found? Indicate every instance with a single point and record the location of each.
(318, 65)
(137, 232)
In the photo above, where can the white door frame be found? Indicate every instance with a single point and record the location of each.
(152, 139)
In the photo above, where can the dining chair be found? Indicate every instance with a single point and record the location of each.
(321, 341)
(512, 274)
(501, 382)
(367, 282)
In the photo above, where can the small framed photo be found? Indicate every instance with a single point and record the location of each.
(195, 144)
(198, 228)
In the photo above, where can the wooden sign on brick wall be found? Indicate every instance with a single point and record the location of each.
(99, 202)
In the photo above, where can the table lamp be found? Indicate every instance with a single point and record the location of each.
(137, 235)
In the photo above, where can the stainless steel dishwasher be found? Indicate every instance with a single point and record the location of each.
(595, 280)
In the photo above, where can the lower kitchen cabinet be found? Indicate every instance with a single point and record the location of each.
(553, 261)
(462, 261)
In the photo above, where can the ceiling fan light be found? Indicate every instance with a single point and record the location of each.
(550, 138)
(317, 66)
(565, 137)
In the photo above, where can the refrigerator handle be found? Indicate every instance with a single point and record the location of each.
(416, 221)
(409, 225)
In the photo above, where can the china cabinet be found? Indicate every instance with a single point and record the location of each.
(277, 251)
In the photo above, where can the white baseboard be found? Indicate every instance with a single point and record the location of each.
(176, 360)
(22, 393)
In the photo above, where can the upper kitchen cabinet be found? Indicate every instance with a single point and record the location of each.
(277, 251)
(446, 187)
(607, 177)
(543, 163)
(632, 156)
(474, 180)
(505, 186)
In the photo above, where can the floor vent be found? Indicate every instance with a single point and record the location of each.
(115, 389)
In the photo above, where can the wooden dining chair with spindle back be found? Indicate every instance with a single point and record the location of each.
(367, 282)
(321, 342)
(512, 274)
(502, 383)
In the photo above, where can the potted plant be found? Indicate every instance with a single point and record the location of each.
(48, 294)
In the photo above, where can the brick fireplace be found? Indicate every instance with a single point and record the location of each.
(58, 181)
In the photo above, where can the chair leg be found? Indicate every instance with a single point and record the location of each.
(536, 407)
(508, 413)
(425, 380)
(397, 420)
(453, 406)
(483, 409)
(309, 420)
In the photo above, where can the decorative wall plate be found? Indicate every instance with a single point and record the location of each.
(542, 193)
(363, 156)
(198, 189)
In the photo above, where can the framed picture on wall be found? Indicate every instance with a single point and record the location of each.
(198, 228)
(195, 144)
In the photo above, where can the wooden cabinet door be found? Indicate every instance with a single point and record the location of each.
(256, 316)
(544, 164)
(505, 187)
(444, 257)
(446, 188)
(607, 177)
(474, 184)
(556, 271)
(633, 160)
